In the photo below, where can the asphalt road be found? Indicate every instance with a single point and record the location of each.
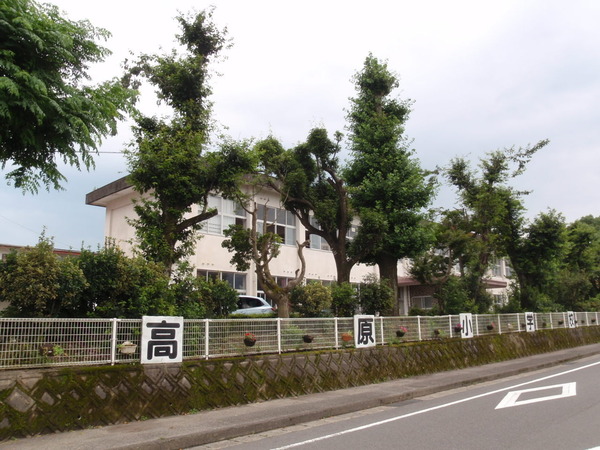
(556, 408)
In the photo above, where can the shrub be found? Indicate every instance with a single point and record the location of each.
(311, 300)
(39, 284)
(344, 299)
(375, 296)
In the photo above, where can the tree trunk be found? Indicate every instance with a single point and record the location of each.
(283, 307)
(343, 267)
(388, 270)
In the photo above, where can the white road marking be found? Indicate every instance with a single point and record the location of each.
(512, 398)
(423, 411)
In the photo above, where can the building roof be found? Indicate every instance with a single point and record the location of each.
(100, 196)
(57, 251)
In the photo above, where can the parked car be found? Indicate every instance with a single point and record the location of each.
(249, 305)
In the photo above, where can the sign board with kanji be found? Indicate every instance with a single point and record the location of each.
(529, 321)
(162, 339)
(466, 325)
(571, 319)
(364, 331)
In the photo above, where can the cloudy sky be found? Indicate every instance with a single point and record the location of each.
(483, 75)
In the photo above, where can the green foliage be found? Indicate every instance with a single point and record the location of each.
(490, 220)
(291, 335)
(453, 297)
(38, 284)
(389, 197)
(239, 243)
(251, 245)
(537, 255)
(311, 300)
(119, 286)
(309, 180)
(219, 298)
(142, 288)
(105, 283)
(168, 160)
(47, 112)
(344, 299)
(187, 293)
(197, 298)
(578, 281)
(375, 296)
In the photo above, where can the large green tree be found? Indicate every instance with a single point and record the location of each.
(48, 112)
(310, 182)
(491, 213)
(389, 189)
(169, 160)
(578, 284)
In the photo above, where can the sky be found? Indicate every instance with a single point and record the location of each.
(483, 75)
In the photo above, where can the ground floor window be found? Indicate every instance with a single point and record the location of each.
(236, 280)
(422, 302)
(499, 299)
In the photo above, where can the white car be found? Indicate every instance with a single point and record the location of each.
(249, 305)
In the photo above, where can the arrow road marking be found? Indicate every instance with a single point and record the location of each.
(512, 398)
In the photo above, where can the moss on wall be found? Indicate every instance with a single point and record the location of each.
(50, 400)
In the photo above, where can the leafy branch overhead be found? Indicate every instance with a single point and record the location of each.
(48, 111)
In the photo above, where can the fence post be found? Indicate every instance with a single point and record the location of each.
(381, 328)
(499, 325)
(476, 324)
(419, 326)
(335, 330)
(278, 335)
(450, 325)
(113, 343)
(206, 338)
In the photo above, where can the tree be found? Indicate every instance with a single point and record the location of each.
(47, 113)
(444, 265)
(492, 213)
(389, 190)
(259, 246)
(168, 160)
(309, 181)
(578, 284)
(537, 256)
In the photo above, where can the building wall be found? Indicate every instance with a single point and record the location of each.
(211, 256)
(211, 259)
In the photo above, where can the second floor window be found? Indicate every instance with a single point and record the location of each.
(230, 213)
(279, 221)
(316, 241)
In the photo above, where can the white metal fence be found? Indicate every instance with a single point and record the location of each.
(69, 342)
